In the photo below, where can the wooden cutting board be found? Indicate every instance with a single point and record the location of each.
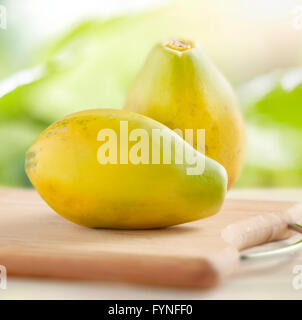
(35, 241)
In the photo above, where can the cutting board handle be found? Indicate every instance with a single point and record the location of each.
(261, 229)
(276, 252)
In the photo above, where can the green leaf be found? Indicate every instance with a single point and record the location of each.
(15, 138)
(272, 107)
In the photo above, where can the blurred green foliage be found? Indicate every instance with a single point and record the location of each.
(273, 110)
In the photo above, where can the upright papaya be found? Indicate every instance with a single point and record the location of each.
(180, 87)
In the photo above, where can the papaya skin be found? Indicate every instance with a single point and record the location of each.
(62, 165)
(180, 87)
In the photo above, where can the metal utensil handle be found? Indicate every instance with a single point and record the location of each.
(276, 252)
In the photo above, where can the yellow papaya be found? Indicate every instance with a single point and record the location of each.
(180, 87)
(98, 168)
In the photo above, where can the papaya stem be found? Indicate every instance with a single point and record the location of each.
(179, 45)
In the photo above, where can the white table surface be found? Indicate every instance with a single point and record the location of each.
(268, 279)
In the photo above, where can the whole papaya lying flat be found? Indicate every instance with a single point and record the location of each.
(101, 168)
(180, 87)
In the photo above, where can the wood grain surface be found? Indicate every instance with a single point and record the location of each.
(35, 241)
